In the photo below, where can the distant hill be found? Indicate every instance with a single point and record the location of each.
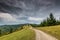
(7, 29)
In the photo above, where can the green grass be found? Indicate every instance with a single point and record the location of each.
(24, 34)
(53, 30)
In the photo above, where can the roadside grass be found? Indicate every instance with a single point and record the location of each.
(53, 30)
(24, 34)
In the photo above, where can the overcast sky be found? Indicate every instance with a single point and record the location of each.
(27, 11)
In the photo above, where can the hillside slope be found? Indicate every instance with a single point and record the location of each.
(24, 34)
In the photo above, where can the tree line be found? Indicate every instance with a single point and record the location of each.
(49, 21)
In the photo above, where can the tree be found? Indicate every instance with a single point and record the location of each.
(51, 16)
(48, 21)
(11, 30)
(52, 19)
(0, 32)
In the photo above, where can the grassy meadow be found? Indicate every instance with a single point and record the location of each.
(24, 34)
(53, 30)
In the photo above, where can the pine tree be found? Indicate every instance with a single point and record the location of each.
(52, 19)
(11, 30)
(0, 32)
(51, 16)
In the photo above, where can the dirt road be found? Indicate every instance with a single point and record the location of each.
(42, 36)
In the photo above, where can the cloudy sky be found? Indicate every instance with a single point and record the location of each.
(27, 11)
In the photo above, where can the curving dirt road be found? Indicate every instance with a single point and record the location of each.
(42, 36)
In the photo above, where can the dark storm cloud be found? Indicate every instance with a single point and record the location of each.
(21, 10)
(25, 5)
